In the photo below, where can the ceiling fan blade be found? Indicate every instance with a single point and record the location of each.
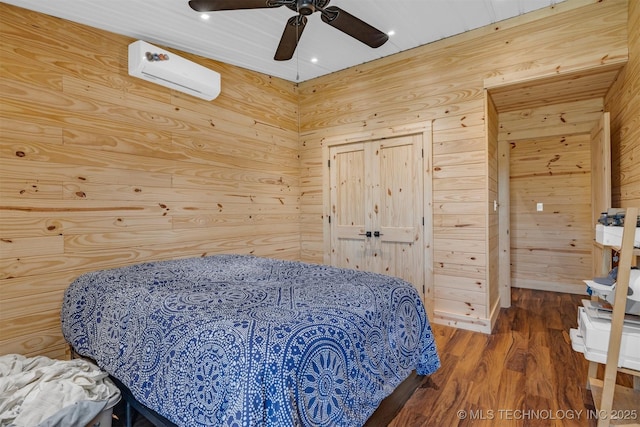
(290, 37)
(353, 26)
(214, 5)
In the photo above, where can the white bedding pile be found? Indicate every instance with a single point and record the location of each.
(40, 391)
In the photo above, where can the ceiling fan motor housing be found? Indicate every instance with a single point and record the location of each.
(307, 7)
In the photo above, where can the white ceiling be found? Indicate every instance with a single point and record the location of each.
(248, 38)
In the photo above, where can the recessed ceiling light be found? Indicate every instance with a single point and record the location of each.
(391, 33)
(204, 16)
(314, 60)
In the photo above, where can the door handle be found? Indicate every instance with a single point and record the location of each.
(368, 234)
(377, 234)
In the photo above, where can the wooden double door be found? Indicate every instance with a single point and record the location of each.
(376, 207)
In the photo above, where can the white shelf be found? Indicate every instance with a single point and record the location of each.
(609, 398)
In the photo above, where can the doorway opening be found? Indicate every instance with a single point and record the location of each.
(552, 177)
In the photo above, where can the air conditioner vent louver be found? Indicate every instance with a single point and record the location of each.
(151, 77)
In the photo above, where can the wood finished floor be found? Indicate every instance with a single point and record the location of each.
(524, 374)
(526, 364)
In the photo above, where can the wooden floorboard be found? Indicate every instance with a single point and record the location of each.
(524, 374)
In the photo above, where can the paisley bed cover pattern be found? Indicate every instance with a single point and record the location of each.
(245, 341)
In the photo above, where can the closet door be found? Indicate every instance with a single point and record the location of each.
(377, 207)
(398, 209)
(349, 220)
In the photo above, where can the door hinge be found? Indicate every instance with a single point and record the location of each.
(328, 163)
(423, 221)
(422, 150)
(329, 219)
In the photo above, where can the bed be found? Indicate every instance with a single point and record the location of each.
(240, 340)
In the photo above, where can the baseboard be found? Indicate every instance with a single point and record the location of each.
(462, 322)
(568, 288)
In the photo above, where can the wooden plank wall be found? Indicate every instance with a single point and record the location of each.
(550, 163)
(443, 82)
(623, 102)
(100, 169)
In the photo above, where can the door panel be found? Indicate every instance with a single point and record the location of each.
(348, 205)
(600, 186)
(399, 219)
(600, 167)
(383, 177)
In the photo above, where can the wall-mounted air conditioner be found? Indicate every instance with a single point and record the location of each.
(165, 68)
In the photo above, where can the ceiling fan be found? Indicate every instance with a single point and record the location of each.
(331, 15)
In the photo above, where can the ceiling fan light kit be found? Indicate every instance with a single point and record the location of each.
(294, 27)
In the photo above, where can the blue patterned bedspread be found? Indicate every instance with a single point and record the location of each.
(245, 341)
